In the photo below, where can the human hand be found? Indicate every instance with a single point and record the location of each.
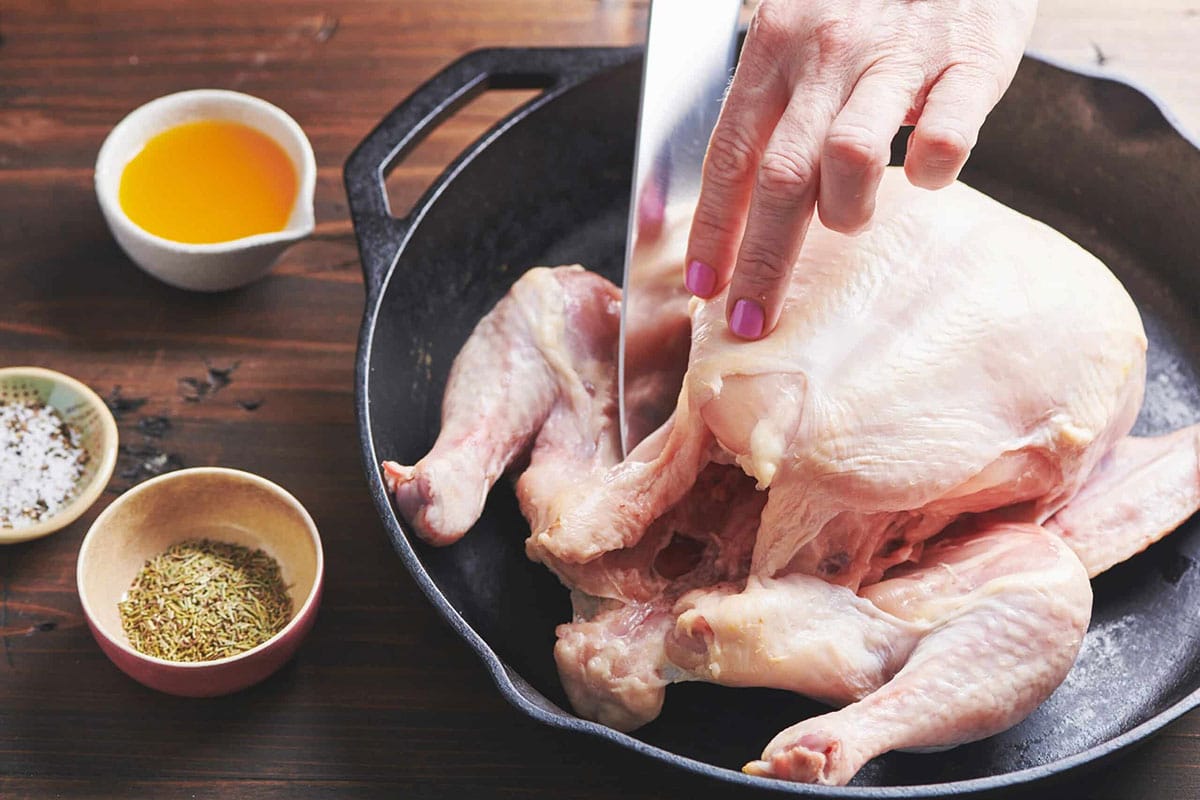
(819, 93)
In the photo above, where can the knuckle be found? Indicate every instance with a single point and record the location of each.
(832, 39)
(854, 149)
(713, 230)
(784, 175)
(771, 25)
(731, 158)
(982, 76)
(712, 224)
(943, 146)
(762, 266)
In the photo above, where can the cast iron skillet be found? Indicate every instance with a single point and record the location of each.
(550, 185)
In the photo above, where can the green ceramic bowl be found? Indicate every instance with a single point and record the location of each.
(87, 413)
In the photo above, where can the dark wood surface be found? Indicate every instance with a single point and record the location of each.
(382, 700)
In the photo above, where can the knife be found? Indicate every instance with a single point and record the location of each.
(690, 52)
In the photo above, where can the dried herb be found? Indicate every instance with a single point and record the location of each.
(203, 599)
(220, 377)
(41, 463)
(154, 427)
(138, 462)
(120, 405)
(193, 390)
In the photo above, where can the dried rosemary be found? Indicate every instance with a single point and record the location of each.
(203, 599)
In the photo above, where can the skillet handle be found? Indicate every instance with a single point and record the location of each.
(381, 236)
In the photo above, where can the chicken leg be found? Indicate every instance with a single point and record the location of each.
(1004, 611)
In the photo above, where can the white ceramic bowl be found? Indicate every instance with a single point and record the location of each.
(221, 265)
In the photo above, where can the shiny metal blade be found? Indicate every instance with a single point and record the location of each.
(690, 51)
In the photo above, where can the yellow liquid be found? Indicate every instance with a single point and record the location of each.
(210, 181)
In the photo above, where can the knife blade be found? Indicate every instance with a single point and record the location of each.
(690, 52)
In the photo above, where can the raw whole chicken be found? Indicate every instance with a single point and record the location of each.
(892, 504)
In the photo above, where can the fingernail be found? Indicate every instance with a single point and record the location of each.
(701, 279)
(746, 320)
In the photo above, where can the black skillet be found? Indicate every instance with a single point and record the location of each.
(550, 185)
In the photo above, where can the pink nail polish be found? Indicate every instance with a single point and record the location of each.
(701, 279)
(746, 320)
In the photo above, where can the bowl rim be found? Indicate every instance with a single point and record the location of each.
(89, 492)
(301, 614)
(107, 172)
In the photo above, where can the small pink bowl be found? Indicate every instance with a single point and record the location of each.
(205, 502)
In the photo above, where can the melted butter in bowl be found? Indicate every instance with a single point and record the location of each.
(205, 189)
(209, 181)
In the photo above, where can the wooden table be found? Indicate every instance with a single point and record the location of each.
(382, 700)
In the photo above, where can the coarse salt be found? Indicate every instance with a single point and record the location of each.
(41, 463)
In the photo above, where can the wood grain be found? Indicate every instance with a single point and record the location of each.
(383, 700)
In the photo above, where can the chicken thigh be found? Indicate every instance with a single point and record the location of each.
(892, 504)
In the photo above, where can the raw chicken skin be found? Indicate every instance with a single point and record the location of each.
(892, 504)
(956, 357)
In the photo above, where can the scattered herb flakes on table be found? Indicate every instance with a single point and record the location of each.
(202, 600)
(41, 462)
